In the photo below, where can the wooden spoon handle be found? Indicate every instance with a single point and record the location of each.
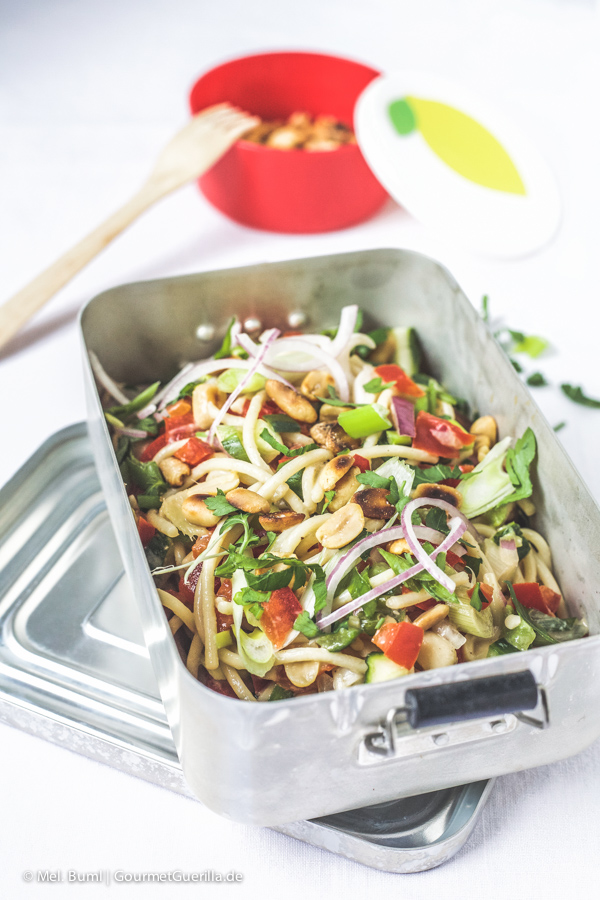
(16, 311)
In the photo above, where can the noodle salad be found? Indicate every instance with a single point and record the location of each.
(317, 513)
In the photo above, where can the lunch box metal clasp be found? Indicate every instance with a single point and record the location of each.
(498, 702)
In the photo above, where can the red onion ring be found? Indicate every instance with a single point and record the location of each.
(324, 358)
(374, 540)
(271, 336)
(415, 547)
(457, 529)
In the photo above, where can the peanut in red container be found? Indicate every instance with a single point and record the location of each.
(293, 191)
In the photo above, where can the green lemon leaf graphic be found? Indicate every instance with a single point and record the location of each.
(460, 141)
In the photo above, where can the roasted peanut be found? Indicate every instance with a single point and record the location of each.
(345, 490)
(486, 427)
(197, 512)
(334, 470)
(343, 526)
(431, 616)
(329, 413)
(302, 674)
(436, 652)
(398, 547)
(486, 433)
(203, 395)
(248, 501)
(291, 401)
(280, 521)
(333, 437)
(315, 384)
(174, 470)
(439, 492)
(374, 503)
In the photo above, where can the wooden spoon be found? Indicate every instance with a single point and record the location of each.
(188, 155)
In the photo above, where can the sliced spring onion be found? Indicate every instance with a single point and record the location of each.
(364, 420)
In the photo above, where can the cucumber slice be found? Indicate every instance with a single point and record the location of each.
(408, 351)
(380, 668)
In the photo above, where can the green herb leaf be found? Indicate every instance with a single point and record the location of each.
(576, 394)
(295, 483)
(219, 506)
(329, 495)
(338, 640)
(252, 599)
(435, 474)
(518, 461)
(516, 365)
(279, 693)
(269, 439)
(436, 518)
(536, 379)
(189, 388)
(542, 637)
(376, 385)
(500, 648)
(305, 625)
(485, 308)
(511, 529)
(372, 479)
(532, 345)
(559, 426)
(334, 400)
(148, 477)
(476, 598)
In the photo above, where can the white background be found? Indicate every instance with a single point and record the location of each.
(89, 92)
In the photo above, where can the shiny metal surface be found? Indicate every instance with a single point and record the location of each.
(74, 668)
(274, 773)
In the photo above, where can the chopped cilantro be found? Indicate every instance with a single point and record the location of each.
(518, 461)
(372, 479)
(576, 394)
(305, 625)
(376, 385)
(279, 693)
(269, 439)
(476, 598)
(536, 379)
(435, 474)
(219, 506)
(329, 495)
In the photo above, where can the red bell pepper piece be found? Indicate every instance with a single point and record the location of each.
(537, 596)
(178, 427)
(400, 641)
(179, 408)
(225, 589)
(194, 452)
(405, 386)
(146, 531)
(486, 592)
(279, 614)
(362, 463)
(224, 622)
(454, 560)
(186, 591)
(151, 449)
(200, 545)
(439, 436)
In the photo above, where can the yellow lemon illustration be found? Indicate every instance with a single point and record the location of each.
(460, 141)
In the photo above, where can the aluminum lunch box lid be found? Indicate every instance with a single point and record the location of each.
(74, 668)
(456, 164)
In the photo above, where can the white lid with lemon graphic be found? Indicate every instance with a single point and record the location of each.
(456, 164)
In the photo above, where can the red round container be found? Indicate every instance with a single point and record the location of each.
(294, 191)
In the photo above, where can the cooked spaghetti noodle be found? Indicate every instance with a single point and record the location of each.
(317, 514)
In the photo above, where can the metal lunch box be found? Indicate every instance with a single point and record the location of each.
(274, 763)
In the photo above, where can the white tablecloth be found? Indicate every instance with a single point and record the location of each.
(88, 94)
